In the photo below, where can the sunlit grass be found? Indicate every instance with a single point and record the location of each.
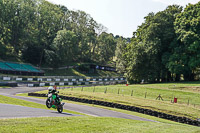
(135, 95)
(15, 101)
(90, 125)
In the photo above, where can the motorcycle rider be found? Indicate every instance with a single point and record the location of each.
(52, 90)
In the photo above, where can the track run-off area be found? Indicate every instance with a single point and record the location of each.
(16, 111)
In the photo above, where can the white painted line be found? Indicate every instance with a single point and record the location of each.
(30, 85)
(70, 83)
(52, 84)
(61, 83)
(57, 79)
(65, 79)
(42, 84)
(48, 79)
(30, 79)
(6, 78)
(39, 79)
(18, 79)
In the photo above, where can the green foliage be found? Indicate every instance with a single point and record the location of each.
(45, 34)
(106, 47)
(120, 54)
(84, 68)
(165, 46)
(63, 49)
(187, 27)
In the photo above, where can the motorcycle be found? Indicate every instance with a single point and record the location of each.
(52, 102)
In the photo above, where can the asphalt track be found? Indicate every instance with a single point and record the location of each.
(14, 111)
(17, 111)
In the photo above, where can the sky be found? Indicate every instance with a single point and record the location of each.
(121, 17)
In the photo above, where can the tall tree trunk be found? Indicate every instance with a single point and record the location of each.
(169, 76)
(177, 77)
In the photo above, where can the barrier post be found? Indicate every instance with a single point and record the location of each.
(105, 90)
(132, 93)
(94, 89)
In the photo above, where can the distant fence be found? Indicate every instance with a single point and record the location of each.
(139, 93)
(128, 107)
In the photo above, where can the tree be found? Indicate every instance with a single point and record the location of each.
(31, 31)
(106, 47)
(65, 46)
(150, 43)
(120, 54)
(187, 27)
(83, 25)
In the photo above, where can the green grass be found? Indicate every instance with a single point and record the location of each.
(75, 72)
(119, 110)
(90, 125)
(114, 109)
(94, 124)
(138, 99)
(5, 87)
(9, 100)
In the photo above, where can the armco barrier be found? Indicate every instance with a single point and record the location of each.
(184, 120)
(60, 79)
(15, 84)
(8, 84)
(73, 83)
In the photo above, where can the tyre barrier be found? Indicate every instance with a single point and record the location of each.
(184, 120)
(9, 84)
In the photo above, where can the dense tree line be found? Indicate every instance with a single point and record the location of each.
(165, 47)
(42, 33)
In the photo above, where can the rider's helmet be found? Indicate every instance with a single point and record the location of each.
(50, 88)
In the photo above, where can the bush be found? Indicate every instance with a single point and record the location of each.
(84, 68)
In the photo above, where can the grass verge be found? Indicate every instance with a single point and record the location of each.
(15, 101)
(122, 94)
(90, 125)
(115, 109)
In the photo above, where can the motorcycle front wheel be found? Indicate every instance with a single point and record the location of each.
(60, 108)
(48, 104)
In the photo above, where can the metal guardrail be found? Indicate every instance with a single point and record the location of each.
(47, 81)
(59, 79)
